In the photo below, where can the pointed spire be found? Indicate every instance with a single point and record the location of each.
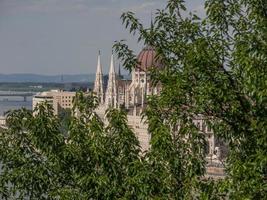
(111, 69)
(99, 67)
(111, 93)
(151, 22)
(98, 87)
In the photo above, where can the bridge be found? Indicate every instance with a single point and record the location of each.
(18, 94)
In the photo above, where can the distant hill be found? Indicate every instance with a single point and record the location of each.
(65, 78)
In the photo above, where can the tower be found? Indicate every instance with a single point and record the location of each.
(111, 92)
(119, 72)
(98, 87)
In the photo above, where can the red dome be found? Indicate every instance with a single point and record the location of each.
(147, 59)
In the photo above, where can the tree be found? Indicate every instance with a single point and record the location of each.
(215, 67)
(65, 118)
(39, 161)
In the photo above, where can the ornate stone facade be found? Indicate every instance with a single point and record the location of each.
(56, 98)
(132, 94)
(98, 87)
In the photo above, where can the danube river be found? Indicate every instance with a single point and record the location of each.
(11, 103)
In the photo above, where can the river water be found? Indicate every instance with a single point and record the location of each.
(10, 103)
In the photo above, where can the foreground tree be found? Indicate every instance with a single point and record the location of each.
(39, 161)
(215, 67)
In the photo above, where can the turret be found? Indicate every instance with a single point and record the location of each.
(111, 93)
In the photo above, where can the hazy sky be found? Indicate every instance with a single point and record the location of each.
(64, 36)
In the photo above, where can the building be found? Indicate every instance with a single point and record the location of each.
(2, 121)
(128, 93)
(131, 95)
(57, 98)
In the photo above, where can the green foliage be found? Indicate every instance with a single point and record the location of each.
(92, 161)
(214, 68)
(65, 119)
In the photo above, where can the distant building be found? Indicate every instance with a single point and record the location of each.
(57, 98)
(2, 121)
(132, 96)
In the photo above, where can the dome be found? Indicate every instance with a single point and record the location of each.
(147, 59)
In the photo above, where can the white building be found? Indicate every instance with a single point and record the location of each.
(57, 98)
(2, 121)
(132, 95)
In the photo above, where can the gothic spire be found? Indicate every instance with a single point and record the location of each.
(151, 21)
(111, 68)
(111, 93)
(99, 67)
(98, 87)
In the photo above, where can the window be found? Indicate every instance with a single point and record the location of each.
(203, 127)
(198, 125)
(207, 147)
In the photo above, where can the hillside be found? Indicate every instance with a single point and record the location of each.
(65, 78)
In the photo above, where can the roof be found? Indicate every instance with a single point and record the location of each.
(147, 58)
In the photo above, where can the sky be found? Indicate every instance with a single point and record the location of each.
(54, 37)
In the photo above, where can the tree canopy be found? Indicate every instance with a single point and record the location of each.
(215, 67)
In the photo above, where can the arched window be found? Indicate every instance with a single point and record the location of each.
(207, 147)
(204, 127)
